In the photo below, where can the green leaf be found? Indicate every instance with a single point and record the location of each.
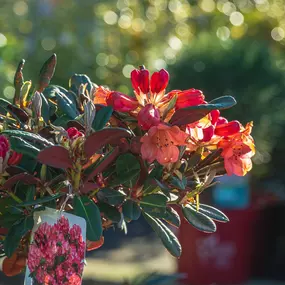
(154, 204)
(15, 234)
(172, 217)
(102, 117)
(198, 220)
(193, 114)
(110, 212)
(21, 146)
(66, 106)
(29, 137)
(180, 184)
(126, 163)
(164, 188)
(167, 237)
(76, 80)
(45, 109)
(111, 196)
(213, 213)
(39, 201)
(131, 210)
(46, 73)
(87, 209)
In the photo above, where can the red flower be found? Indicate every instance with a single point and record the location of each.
(4, 146)
(237, 151)
(140, 80)
(227, 129)
(73, 133)
(159, 81)
(190, 97)
(148, 116)
(121, 102)
(161, 143)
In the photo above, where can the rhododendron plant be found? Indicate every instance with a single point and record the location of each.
(108, 158)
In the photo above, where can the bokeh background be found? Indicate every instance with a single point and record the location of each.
(221, 47)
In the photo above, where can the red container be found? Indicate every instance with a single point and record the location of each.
(224, 257)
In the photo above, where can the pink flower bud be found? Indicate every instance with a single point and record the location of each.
(148, 116)
(140, 80)
(221, 120)
(159, 81)
(227, 129)
(73, 133)
(190, 97)
(121, 102)
(4, 146)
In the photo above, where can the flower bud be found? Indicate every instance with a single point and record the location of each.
(37, 104)
(121, 102)
(190, 97)
(227, 129)
(148, 116)
(73, 133)
(159, 81)
(15, 158)
(221, 120)
(4, 146)
(140, 80)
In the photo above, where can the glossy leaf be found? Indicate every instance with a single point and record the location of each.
(45, 110)
(213, 213)
(103, 137)
(21, 146)
(40, 201)
(193, 114)
(15, 234)
(55, 156)
(178, 183)
(172, 217)
(102, 118)
(167, 237)
(198, 220)
(154, 204)
(111, 196)
(22, 177)
(131, 210)
(29, 137)
(46, 73)
(66, 106)
(76, 80)
(87, 209)
(110, 212)
(127, 166)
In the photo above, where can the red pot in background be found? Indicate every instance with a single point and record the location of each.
(224, 257)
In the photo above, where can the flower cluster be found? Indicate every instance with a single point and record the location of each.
(161, 140)
(57, 253)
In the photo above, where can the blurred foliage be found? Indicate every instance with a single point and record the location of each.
(234, 47)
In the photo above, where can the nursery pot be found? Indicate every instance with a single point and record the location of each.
(223, 257)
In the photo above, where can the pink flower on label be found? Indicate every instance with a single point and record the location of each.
(56, 254)
(161, 143)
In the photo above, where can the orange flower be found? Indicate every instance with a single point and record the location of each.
(161, 143)
(100, 95)
(237, 151)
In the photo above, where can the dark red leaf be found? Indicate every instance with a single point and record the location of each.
(184, 116)
(23, 177)
(55, 156)
(104, 137)
(104, 164)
